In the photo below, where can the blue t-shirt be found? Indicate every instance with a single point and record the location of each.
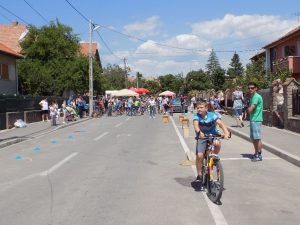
(207, 125)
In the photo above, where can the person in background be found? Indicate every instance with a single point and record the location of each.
(245, 106)
(64, 111)
(193, 103)
(45, 108)
(278, 91)
(220, 96)
(255, 110)
(53, 113)
(237, 98)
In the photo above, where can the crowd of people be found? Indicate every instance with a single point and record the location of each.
(131, 106)
(70, 110)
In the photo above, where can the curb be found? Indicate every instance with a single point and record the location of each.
(276, 151)
(17, 140)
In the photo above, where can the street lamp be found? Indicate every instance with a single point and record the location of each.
(91, 91)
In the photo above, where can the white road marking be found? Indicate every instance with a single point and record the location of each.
(13, 183)
(214, 209)
(56, 166)
(101, 136)
(16, 182)
(119, 124)
(234, 159)
(128, 119)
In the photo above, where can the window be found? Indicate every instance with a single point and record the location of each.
(288, 50)
(4, 75)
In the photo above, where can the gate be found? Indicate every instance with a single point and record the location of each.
(296, 102)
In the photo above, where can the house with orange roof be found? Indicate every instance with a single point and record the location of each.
(284, 53)
(10, 37)
(85, 47)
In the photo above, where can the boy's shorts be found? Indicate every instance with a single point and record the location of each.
(255, 130)
(201, 145)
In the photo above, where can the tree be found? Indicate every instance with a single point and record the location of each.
(197, 80)
(255, 72)
(171, 82)
(114, 77)
(212, 64)
(51, 59)
(153, 86)
(236, 69)
(214, 71)
(219, 79)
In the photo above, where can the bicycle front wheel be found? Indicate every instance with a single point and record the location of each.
(216, 181)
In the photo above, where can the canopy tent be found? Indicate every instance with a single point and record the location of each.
(142, 90)
(126, 92)
(167, 93)
(132, 89)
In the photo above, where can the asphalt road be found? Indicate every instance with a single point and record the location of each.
(124, 170)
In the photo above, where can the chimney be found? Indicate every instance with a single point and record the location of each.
(15, 23)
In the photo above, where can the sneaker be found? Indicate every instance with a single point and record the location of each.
(199, 183)
(257, 157)
(198, 178)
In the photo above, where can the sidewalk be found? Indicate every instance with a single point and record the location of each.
(283, 143)
(15, 135)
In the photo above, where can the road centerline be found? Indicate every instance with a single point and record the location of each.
(58, 165)
(101, 136)
(119, 124)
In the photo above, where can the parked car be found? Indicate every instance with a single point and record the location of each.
(176, 104)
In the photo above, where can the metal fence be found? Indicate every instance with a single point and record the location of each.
(21, 104)
(296, 102)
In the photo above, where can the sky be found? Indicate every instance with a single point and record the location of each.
(160, 37)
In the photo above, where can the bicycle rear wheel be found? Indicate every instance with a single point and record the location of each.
(215, 181)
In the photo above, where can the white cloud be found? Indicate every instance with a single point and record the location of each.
(183, 44)
(149, 27)
(258, 27)
(155, 67)
(232, 32)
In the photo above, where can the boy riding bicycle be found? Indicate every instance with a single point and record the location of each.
(205, 123)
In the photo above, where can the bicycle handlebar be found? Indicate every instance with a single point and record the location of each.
(221, 136)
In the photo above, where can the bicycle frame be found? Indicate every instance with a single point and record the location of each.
(214, 182)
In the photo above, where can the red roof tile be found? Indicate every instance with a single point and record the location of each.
(10, 35)
(7, 50)
(85, 46)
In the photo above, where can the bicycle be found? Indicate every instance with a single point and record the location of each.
(213, 176)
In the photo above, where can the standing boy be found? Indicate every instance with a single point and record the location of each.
(255, 110)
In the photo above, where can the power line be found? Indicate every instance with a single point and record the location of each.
(108, 48)
(84, 17)
(93, 25)
(142, 40)
(36, 12)
(5, 17)
(14, 14)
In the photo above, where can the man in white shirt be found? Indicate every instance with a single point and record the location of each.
(278, 90)
(44, 105)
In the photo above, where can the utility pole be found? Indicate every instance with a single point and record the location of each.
(125, 69)
(298, 15)
(137, 79)
(92, 27)
(91, 91)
